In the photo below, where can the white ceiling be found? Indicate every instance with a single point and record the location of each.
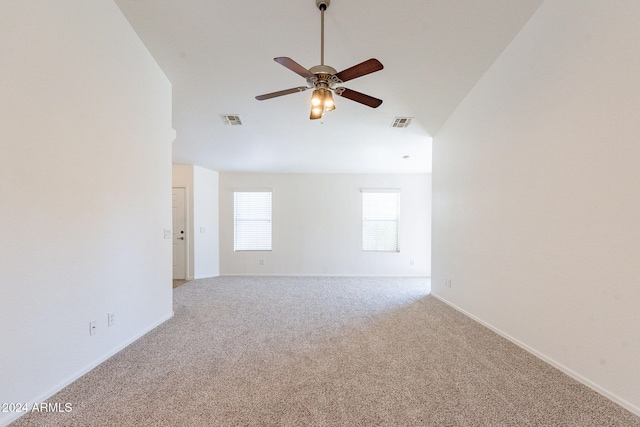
(219, 55)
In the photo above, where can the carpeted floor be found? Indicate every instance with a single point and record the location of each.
(283, 351)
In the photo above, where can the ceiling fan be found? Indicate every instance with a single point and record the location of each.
(323, 78)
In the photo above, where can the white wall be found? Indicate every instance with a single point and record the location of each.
(536, 185)
(205, 219)
(85, 178)
(317, 225)
(203, 230)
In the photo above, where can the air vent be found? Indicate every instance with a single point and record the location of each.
(231, 119)
(401, 122)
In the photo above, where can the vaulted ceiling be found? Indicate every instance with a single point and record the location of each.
(219, 55)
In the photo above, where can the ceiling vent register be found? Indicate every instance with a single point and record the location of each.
(231, 119)
(401, 122)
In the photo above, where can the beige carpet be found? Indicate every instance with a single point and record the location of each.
(324, 352)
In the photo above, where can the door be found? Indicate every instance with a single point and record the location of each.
(179, 233)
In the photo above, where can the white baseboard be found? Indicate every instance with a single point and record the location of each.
(62, 384)
(606, 393)
(205, 277)
(414, 276)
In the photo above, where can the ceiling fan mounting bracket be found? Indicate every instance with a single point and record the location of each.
(323, 4)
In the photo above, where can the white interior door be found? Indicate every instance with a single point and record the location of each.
(179, 233)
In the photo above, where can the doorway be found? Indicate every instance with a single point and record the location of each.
(179, 209)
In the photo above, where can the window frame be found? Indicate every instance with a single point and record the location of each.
(245, 247)
(365, 221)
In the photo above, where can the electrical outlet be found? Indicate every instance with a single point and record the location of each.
(448, 282)
(261, 262)
(93, 327)
(111, 319)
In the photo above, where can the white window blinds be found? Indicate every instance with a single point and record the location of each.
(380, 218)
(252, 220)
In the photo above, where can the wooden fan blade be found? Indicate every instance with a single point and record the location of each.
(367, 67)
(367, 100)
(281, 92)
(293, 66)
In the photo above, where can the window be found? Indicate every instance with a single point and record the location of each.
(252, 220)
(380, 218)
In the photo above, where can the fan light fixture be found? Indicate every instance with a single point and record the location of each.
(329, 105)
(321, 102)
(316, 98)
(323, 78)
